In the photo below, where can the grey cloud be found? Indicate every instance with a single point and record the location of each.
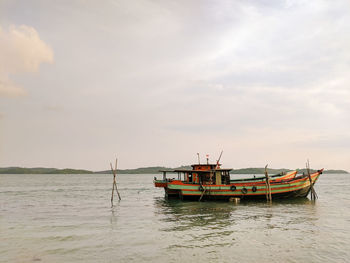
(337, 141)
(52, 108)
(150, 74)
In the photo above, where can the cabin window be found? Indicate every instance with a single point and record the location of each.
(194, 178)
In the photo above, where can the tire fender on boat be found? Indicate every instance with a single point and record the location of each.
(254, 189)
(233, 188)
(244, 190)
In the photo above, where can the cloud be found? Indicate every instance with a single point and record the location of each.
(52, 108)
(9, 89)
(21, 50)
(261, 78)
(285, 64)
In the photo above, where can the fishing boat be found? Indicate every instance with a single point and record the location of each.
(211, 182)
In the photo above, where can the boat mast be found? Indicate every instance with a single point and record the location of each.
(217, 162)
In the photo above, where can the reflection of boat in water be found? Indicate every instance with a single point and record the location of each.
(186, 215)
(211, 182)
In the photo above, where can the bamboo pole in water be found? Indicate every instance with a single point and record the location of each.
(114, 171)
(268, 186)
(112, 191)
(204, 190)
(312, 190)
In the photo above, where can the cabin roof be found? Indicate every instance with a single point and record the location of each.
(204, 164)
(200, 171)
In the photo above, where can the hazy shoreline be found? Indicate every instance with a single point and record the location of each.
(143, 170)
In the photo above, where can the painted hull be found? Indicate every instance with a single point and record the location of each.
(160, 183)
(274, 178)
(287, 187)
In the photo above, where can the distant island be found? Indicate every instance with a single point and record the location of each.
(40, 170)
(144, 170)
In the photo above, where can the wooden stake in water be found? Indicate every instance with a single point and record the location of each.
(205, 189)
(114, 171)
(268, 186)
(312, 190)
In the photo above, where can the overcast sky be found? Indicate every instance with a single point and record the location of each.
(155, 82)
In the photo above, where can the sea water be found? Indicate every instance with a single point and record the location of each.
(68, 218)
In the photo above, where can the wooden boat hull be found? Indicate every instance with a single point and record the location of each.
(278, 177)
(160, 183)
(291, 187)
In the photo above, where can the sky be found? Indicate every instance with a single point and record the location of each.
(154, 82)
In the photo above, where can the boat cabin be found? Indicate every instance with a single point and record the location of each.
(203, 174)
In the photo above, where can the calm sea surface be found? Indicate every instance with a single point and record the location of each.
(68, 218)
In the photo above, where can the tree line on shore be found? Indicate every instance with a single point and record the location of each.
(143, 170)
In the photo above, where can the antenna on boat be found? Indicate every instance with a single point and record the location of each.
(199, 161)
(217, 162)
(207, 158)
(114, 171)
